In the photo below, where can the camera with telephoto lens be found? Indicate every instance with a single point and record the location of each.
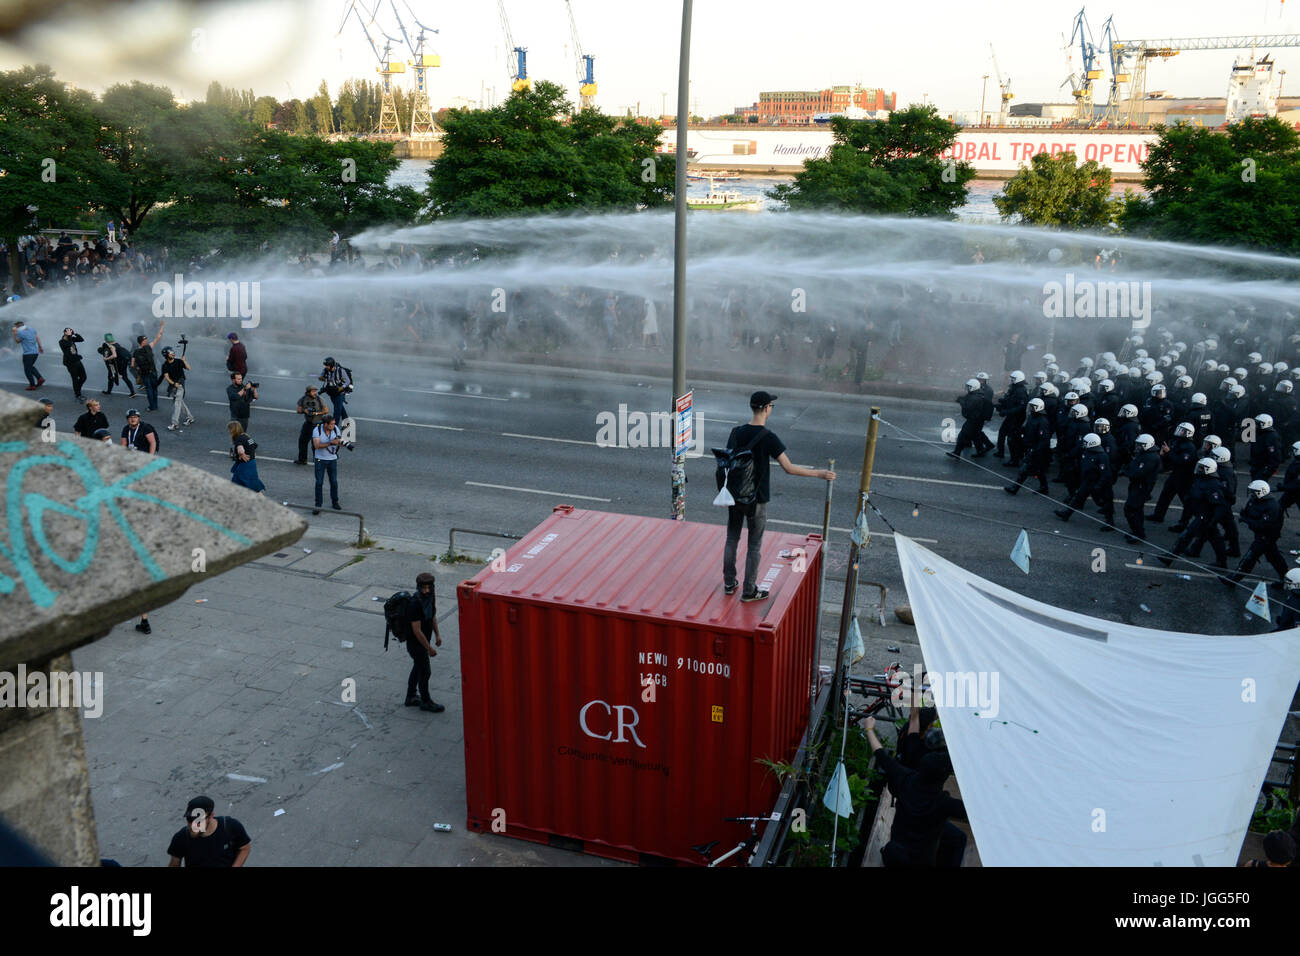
(254, 384)
(350, 445)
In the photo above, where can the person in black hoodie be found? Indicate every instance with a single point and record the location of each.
(921, 810)
(72, 361)
(1263, 516)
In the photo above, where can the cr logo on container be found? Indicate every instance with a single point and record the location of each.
(619, 713)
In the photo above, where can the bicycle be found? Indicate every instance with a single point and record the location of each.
(706, 850)
(884, 692)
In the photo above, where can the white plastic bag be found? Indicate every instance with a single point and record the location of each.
(724, 499)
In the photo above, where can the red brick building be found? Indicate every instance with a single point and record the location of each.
(800, 106)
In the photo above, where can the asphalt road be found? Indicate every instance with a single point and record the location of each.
(496, 447)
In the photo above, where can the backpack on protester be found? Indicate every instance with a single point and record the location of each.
(351, 381)
(395, 623)
(735, 477)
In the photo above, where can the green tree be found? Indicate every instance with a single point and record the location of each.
(531, 154)
(49, 164)
(890, 167)
(134, 178)
(1236, 187)
(264, 108)
(1056, 191)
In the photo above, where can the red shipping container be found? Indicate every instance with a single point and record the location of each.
(614, 696)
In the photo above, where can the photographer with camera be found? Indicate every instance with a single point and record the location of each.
(173, 373)
(72, 362)
(326, 439)
(312, 409)
(338, 383)
(241, 397)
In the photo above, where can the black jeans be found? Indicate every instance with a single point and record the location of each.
(78, 372)
(421, 671)
(755, 518)
(304, 439)
(150, 383)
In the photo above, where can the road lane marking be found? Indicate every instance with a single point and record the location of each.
(215, 451)
(378, 421)
(1160, 570)
(567, 441)
(450, 394)
(936, 481)
(536, 491)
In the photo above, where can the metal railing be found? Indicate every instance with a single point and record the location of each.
(361, 521)
(451, 538)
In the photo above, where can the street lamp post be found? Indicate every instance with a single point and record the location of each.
(679, 258)
(983, 90)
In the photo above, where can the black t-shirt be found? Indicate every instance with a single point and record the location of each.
(138, 437)
(765, 449)
(920, 811)
(239, 406)
(217, 850)
(176, 369)
(246, 442)
(415, 612)
(88, 423)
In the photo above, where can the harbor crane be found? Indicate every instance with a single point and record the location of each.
(422, 124)
(1140, 52)
(516, 56)
(1004, 87)
(586, 65)
(1081, 86)
(389, 122)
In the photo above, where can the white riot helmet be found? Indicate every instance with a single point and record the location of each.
(1085, 362)
(1295, 449)
(1079, 411)
(1157, 390)
(1091, 441)
(1254, 358)
(1036, 406)
(1264, 420)
(1239, 374)
(1134, 372)
(1221, 456)
(1052, 368)
(1050, 389)
(1280, 368)
(1017, 376)
(1165, 361)
(1071, 396)
(1259, 489)
(1108, 356)
(1227, 383)
(983, 376)
(1048, 358)
(1040, 376)
(1145, 442)
(1179, 370)
(1200, 399)
(1120, 371)
(1106, 386)
(1185, 430)
(1148, 365)
(1284, 386)
(1140, 353)
(1135, 339)
(1211, 365)
(1101, 426)
(1206, 466)
(1292, 581)
(1155, 378)
(1062, 378)
(1183, 381)
(1265, 368)
(1128, 411)
(1211, 344)
(1223, 367)
(1100, 374)
(1083, 387)
(1212, 441)
(1237, 391)
(972, 385)
(1181, 346)
(1295, 373)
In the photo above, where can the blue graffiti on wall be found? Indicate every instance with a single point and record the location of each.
(33, 506)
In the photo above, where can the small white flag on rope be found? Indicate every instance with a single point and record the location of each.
(1020, 553)
(857, 647)
(838, 799)
(1257, 603)
(860, 534)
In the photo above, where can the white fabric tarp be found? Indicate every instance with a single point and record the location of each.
(1083, 742)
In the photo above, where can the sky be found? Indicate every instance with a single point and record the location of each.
(936, 52)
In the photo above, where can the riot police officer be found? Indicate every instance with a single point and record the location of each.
(1265, 450)
(1038, 448)
(1263, 516)
(1142, 472)
(1180, 462)
(1095, 479)
(1204, 509)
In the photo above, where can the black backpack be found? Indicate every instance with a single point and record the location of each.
(395, 622)
(736, 470)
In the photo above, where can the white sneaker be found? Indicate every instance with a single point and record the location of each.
(173, 428)
(189, 421)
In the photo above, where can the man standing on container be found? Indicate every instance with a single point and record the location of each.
(765, 446)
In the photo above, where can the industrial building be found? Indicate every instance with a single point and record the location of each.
(798, 107)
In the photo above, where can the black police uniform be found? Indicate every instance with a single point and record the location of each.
(1142, 473)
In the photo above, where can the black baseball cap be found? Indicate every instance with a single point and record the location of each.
(199, 803)
(761, 399)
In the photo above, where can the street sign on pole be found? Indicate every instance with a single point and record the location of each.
(683, 434)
